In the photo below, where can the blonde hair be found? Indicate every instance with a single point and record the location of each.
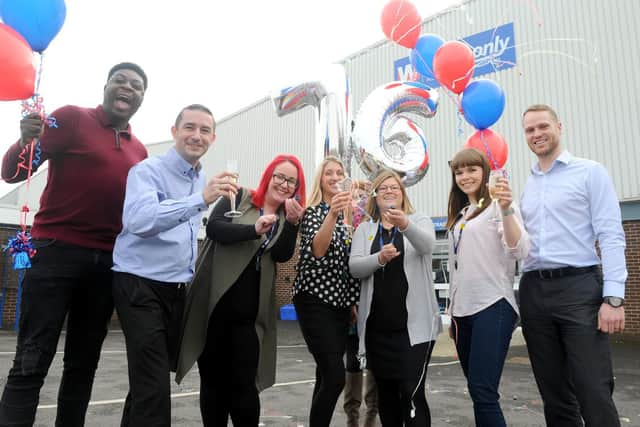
(541, 107)
(315, 195)
(372, 206)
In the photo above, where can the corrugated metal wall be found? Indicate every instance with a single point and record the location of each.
(580, 56)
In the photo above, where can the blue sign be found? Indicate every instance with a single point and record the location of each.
(494, 50)
(439, 223)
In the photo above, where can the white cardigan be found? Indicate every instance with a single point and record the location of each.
(423, 321)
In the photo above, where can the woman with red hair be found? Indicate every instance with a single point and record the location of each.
(230, 317)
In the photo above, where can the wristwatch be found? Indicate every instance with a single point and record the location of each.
(614, 302)
(507, 212)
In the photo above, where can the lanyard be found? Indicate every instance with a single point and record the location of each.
(453, 236)
(381, 240)
(264, 244)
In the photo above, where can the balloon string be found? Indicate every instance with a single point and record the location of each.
(460, 131)
(488, 151)
(41, 57)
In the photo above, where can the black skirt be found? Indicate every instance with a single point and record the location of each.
(324, 327)
(391, 356)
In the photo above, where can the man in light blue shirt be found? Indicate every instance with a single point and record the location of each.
(154, 256)
(568, 306)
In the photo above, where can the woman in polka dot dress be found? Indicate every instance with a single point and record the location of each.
(324, 293)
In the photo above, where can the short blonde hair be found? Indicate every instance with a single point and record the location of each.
(541, 107)
(372, 205)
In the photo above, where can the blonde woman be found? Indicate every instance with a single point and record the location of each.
(398, 317)
(324, 294)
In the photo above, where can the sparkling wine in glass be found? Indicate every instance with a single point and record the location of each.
(493, 190)
(345, 185)
(232, 166)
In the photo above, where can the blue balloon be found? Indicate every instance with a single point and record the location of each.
(38, 21)
(422, 54)
(482, 103)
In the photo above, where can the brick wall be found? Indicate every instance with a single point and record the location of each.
(632, 293)
(286, 273)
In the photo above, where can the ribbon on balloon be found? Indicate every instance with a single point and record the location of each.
(28, 26)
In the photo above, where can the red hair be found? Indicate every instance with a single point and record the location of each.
(257, 195)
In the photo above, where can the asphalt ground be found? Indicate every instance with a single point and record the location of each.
(287, 403)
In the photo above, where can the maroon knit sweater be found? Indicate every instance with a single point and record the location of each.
(88, 165)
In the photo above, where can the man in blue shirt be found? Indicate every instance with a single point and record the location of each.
(568, 306)
(154, 256)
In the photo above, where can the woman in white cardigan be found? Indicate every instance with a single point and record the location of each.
(398, 318)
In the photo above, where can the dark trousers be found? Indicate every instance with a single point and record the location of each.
(571, 359)
(150, 313)
(482, 341)
(402, 401)
(228, 364)
(324, 329)
(63, 280)
(351, 354)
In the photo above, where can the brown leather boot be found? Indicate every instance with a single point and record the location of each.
(353, 398)
(371, 400)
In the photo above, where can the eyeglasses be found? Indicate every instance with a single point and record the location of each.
(388, 188)
(280, 179)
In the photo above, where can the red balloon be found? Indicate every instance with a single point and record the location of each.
(401, 22)
(453, 65)
(492, 144)
(16, 66)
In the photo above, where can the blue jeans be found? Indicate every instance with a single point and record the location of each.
(64, 281)
(482, 341)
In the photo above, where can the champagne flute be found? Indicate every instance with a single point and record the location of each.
(232, 166)
(493, 190)
(345, 185)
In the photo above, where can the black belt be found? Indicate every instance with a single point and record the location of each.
(555, 273)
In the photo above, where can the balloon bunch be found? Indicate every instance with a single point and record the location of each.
(28, 27)
(450, 64)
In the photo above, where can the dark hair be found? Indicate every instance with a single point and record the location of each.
(257, 195)
(195, 107)
(457, 198)
(129, 66)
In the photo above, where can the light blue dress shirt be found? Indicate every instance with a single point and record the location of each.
(565, 210)
(163, 209)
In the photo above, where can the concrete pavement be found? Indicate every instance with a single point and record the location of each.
(287, 403)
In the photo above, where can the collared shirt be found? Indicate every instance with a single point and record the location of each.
(163, 209)
(565, 210)
(88, 164)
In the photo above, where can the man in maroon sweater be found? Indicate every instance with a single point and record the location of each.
(90, 153)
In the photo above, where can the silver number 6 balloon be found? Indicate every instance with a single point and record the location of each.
(384, 137)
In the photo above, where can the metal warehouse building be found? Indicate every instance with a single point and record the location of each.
(579, 56)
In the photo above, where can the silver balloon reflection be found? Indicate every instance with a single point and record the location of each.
(328, 94)
(386, 137)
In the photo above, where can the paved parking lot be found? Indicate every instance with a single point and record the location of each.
(286, 404)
